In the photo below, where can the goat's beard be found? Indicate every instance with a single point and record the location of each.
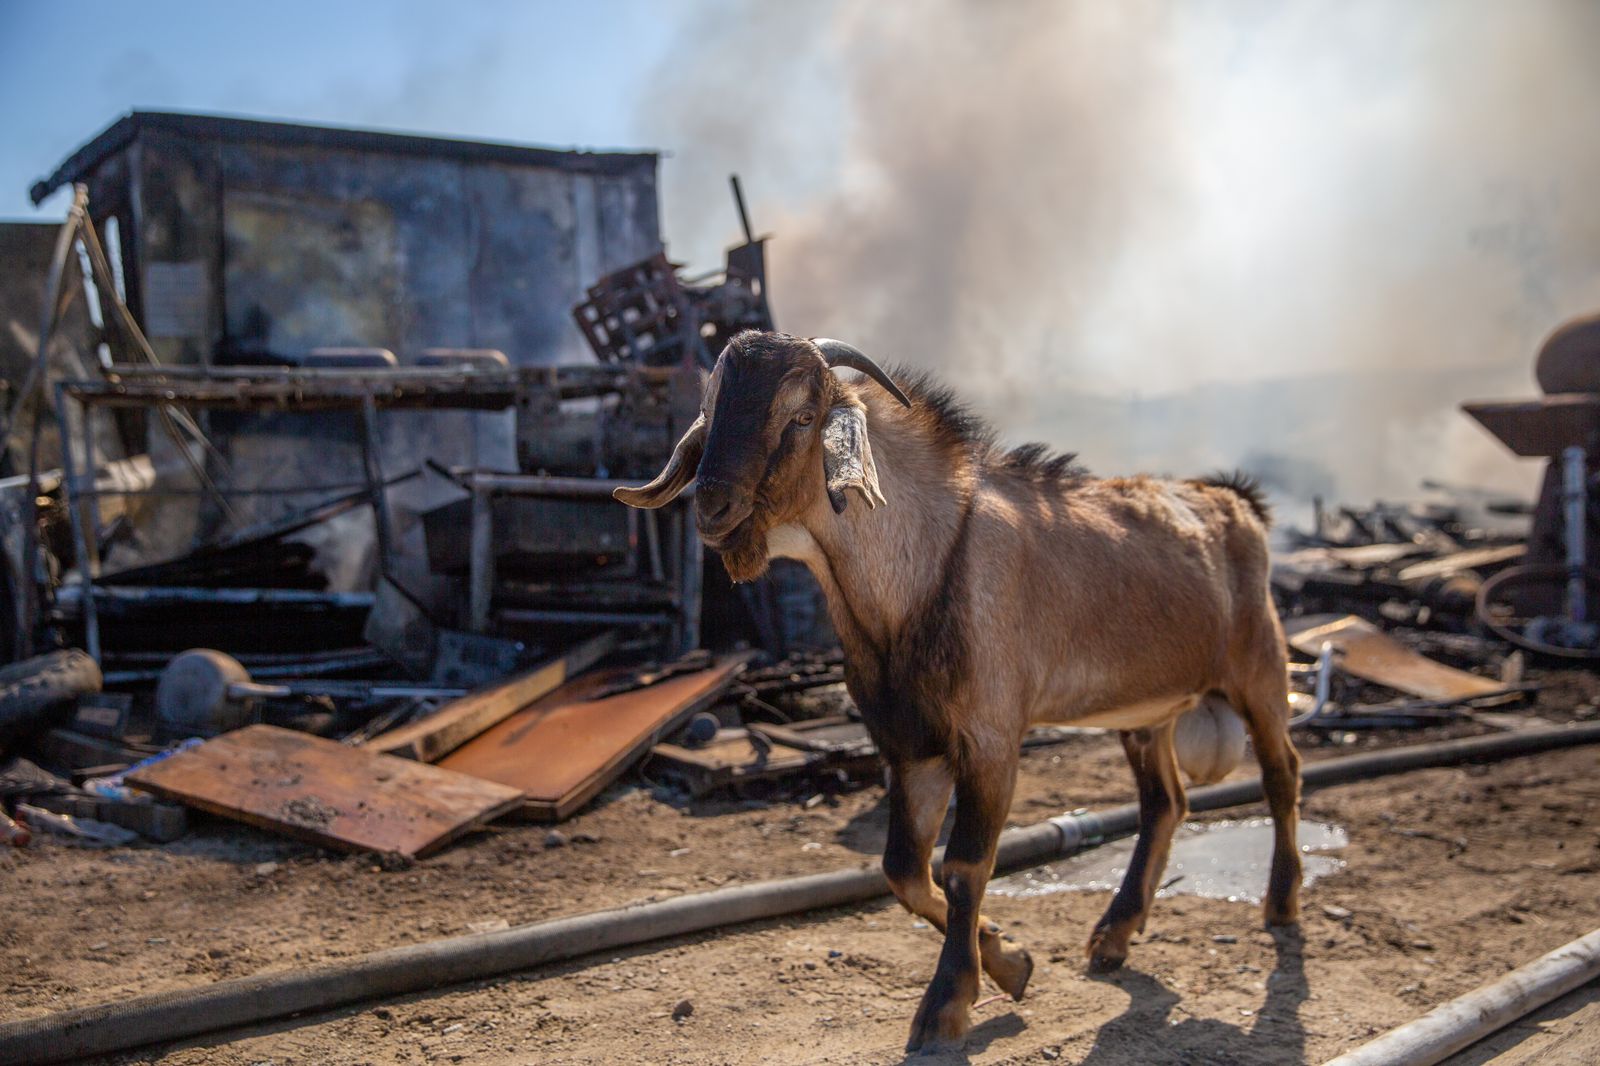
(744, 552)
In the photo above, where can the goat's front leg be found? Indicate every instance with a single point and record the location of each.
(983, 798)
(919, 794)
(1162, 806)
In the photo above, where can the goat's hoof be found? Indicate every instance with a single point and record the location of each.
(1012, 972)
(939, 1028)
(1106, 953)
(1107, 963)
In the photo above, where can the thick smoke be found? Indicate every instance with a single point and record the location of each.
(1167, 235)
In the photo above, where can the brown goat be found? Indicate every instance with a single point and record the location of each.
(992, 591)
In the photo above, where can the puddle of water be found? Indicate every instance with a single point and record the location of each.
(1216, 860)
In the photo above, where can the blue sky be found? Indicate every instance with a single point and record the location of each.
(563, 74)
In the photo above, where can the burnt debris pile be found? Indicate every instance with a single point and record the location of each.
(305, 510)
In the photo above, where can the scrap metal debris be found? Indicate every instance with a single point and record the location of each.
(283, 503)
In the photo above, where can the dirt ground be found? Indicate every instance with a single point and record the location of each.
(1453, 876)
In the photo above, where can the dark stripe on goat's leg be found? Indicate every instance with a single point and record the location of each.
(983, 799)
(1162, 806)
(919, 794)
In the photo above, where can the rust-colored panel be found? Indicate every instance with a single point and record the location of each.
(327, 793)
(1369, 654)
(459, 721)
(565, 748)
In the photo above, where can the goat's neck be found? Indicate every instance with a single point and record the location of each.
(879, 566)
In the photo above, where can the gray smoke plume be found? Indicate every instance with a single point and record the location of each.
(1166, 235)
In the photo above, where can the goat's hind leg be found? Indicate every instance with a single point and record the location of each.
(919, 795)
(1162, 806)
(1263, 702)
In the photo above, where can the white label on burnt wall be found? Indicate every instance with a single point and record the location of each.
(176, 298)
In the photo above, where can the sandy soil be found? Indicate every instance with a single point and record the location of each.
(1453, 876)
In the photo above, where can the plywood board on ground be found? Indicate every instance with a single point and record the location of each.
(1373, 656)
(458, 721)
(327, 793)
(565, 748)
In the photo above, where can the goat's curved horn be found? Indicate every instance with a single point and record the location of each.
(680, 470)
(838, 353)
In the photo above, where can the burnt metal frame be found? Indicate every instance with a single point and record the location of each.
(268, 388)
(684, 549)
(162, 390)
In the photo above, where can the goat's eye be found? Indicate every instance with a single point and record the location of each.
(804, 418)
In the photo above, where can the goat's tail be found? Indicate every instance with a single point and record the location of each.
(1244, 486)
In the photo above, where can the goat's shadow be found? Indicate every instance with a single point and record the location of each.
(1275, 1034)
(983, 1034)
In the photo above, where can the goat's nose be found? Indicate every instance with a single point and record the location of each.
(715, 501)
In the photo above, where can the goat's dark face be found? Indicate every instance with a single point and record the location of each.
(776, 429)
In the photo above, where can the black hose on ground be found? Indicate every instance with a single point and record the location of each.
(167, 1016)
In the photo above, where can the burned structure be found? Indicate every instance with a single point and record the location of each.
(409, 393)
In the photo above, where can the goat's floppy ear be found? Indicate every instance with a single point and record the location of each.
(847, 457)
(675, 478)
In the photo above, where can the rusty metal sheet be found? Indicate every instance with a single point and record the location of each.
(565, 748)
(458, 722)
(1373, 656)
(326, 792)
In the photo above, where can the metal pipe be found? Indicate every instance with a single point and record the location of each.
(584, 618)
(80, 537)
(176, 595)
(744, 215)
(1323, 686)
(368, 377)
(372, 465)
(270, 490)
(260, 666)
(480, 560)
(1575, 501)
(163, 1016)
(1464, 1021)
(547, 485)
(342, 690)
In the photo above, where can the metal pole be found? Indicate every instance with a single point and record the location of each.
(373, 466)
(80, 537)
(584, 618)
(1575, 498)
(480, 564)
(577, 488)
(178, 595)
(652, 539)
(738, 202)
(689, 581)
